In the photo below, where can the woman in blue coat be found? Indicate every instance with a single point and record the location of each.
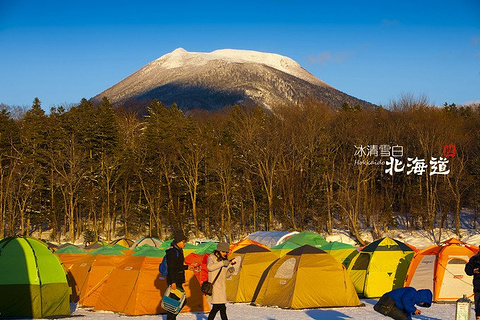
(400, 303)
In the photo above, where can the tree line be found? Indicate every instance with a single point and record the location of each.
(227, 173)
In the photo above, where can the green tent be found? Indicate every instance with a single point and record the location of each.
(308, 237)
(67, 244)
(71, 249)
(120, 247)
(165, 245)
(154, 242)
(190, 247)
(284, 248)
(96, 245)
(148, 251)
(116, 250)
(33, 283)
(206, 247)
(343, 252)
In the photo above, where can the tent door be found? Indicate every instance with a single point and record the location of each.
(424, 274)
(455, 282)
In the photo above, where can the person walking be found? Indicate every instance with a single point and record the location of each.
(176, 265)
(218, 267)
(472, 268)
(399, 304)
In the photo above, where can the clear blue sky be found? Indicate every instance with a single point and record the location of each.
(376, 50)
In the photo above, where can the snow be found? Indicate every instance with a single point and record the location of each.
(419, 238)
(247, 312)
(181, 58)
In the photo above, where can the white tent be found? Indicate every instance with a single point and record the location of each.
(271, 238)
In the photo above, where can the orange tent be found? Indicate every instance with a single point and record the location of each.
(90, 273)
(411, 246)
(136, 287)
(77, 275)
(69, 254)
(441, 269)
(69, 259)
(199, 263)
(245, 242)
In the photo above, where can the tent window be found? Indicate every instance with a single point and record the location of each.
(287, 269)
(456, 261)
(362, 262)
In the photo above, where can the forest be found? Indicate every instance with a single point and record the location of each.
(224, 174)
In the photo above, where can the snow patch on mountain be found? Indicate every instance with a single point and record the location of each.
(181, 58)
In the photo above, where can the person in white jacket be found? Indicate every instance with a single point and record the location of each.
(218, 264)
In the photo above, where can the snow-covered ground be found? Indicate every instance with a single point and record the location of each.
(247, 312)
(420, 239)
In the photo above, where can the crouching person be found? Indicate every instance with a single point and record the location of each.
(399, 304)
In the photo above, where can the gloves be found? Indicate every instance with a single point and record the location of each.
(226, 263)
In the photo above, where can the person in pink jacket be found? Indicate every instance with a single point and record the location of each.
(218, 267)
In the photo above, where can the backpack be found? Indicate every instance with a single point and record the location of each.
(163, 267)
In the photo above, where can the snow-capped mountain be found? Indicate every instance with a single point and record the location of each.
(224, 77)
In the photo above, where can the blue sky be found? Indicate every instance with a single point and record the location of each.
(63, 51)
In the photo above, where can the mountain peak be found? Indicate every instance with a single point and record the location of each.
(211, 80)
(179, 50)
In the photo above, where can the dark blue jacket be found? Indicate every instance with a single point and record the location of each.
(406, 299)
(473, 263)
(175, 265)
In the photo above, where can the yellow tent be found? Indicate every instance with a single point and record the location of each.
(124, 242)
(245, 242)
(306, 277)
(252, 261)
(380, 267)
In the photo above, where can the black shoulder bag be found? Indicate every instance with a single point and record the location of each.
(207, 287)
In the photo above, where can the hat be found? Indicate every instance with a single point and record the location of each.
(425, 296)
(223, 246)
(178, 236)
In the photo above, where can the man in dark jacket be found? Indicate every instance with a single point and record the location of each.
(175, 265)
(472, 268)
(399, 304)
